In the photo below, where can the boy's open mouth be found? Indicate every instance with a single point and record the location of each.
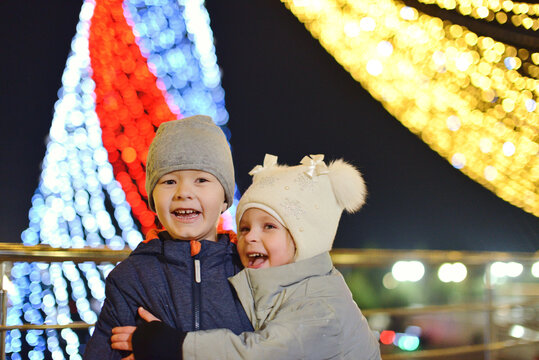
(256, 260)
(186, 214)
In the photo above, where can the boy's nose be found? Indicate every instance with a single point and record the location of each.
(183, 192)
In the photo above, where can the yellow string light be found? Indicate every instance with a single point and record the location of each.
(461, 93)
(518, 14)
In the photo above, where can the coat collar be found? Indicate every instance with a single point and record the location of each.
(262, 290)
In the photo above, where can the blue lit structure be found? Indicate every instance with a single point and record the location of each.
(78, 201)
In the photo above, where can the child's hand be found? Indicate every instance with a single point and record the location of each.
(122, 336)
(146, 315)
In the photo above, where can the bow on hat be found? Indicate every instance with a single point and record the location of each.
(269, 161)
(315, 164)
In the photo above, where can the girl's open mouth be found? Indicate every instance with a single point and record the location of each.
(256, 260)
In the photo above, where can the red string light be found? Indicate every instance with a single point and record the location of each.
(128, 102)
(387, 337)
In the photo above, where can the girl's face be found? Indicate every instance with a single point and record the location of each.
(263, 241)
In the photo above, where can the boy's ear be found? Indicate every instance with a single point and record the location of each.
(224, 207)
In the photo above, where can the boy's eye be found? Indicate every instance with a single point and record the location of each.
(244, 229)
(202, 180)
(169, 182)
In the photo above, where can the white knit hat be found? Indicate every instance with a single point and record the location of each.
(307, 199)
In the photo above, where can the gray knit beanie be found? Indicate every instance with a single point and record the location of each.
(191, 143)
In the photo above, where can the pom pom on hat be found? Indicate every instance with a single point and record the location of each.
(308, 199)
(348, 185)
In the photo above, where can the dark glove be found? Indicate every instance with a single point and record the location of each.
(155, 340)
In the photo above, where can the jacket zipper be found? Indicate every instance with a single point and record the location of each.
(196, 294)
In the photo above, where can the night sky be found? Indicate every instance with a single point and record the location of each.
(285, 96)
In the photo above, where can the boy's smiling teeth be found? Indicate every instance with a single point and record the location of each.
(185, 213)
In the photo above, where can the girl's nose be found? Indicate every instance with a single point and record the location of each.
(251, 236)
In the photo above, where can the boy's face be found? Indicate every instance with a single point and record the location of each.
(263, 241)
(189, 203)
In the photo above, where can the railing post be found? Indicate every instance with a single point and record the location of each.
(3, 310)
(489, 329)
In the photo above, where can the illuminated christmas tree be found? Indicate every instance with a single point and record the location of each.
(133, 65)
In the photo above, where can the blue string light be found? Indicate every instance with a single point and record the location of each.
(176, 38)
(78, 202)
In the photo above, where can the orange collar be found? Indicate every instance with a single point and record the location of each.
(195, 245)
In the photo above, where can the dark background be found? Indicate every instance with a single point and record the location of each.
(285, 96)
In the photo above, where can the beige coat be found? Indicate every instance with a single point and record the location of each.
(302, 310)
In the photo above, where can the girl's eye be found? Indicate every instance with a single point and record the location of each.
(169, 182)
(271, 226)
(244, 229)
(202, 180)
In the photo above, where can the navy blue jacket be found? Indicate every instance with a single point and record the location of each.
(159, 275)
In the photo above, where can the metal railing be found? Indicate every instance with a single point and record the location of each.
(370, 257)
(44, 253)
(341, 258)
(378, 257)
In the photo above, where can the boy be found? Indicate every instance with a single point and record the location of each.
(180, 273)
(298, 303)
